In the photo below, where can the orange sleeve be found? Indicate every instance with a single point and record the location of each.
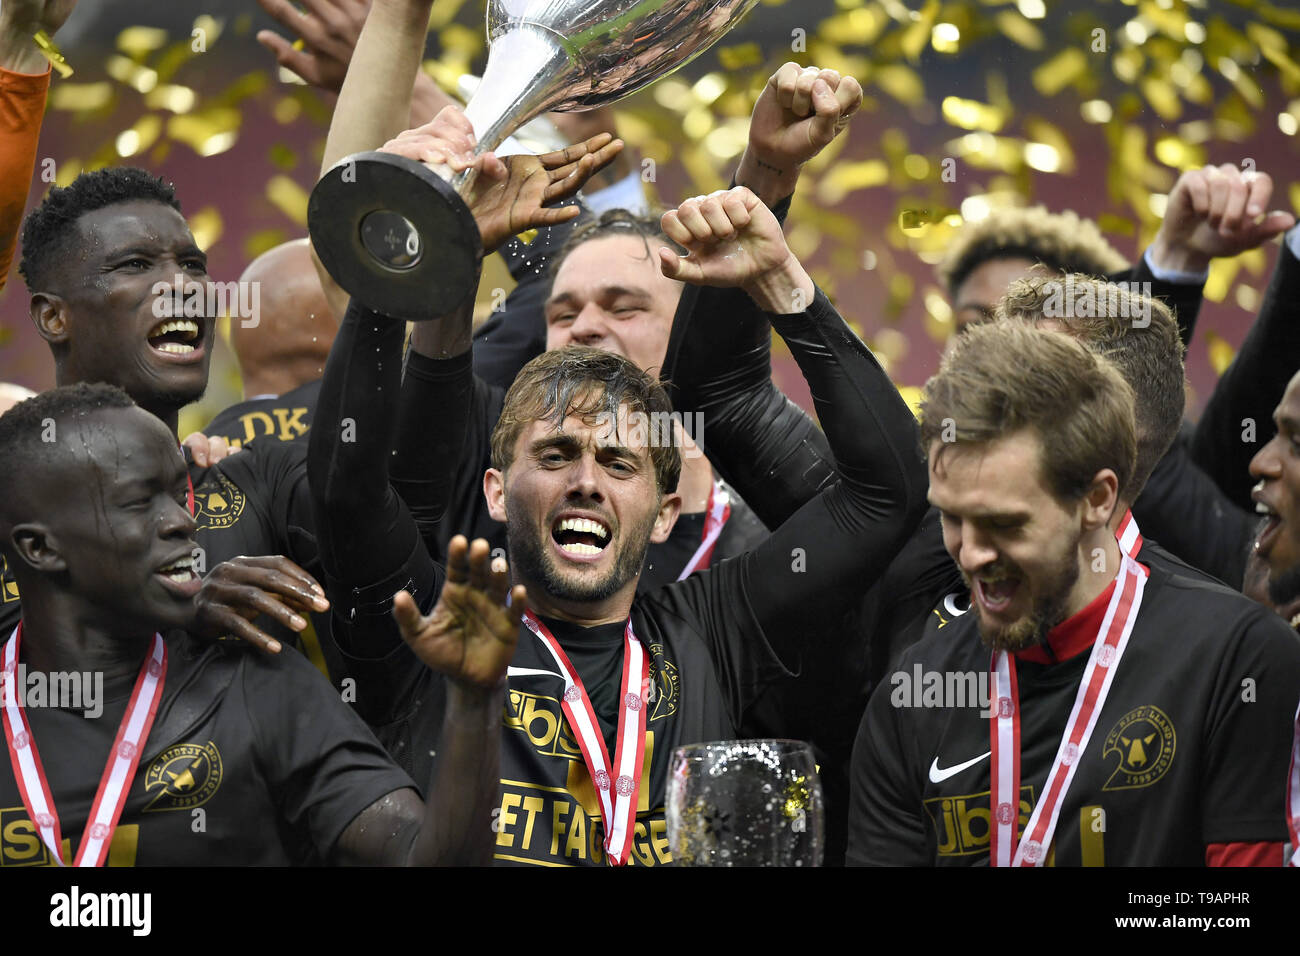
(22, 105)
(1243, 854)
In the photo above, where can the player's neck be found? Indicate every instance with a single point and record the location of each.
(62, 634)
(1099, 560)
(611, 610)
(1117, 518)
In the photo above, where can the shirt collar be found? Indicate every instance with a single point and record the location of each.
(1076, 634)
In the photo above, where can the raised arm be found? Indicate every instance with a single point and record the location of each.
(24, 82)
(1238, 419)
(816, 565)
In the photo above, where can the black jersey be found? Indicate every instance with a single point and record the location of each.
(708, 662)
(252, 760)
(1190, 748)
(280, 417)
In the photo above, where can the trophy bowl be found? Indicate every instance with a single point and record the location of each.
(398, 236)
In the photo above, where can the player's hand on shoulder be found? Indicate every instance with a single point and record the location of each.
(731, 238)
(208, 450)
(237, 591)
(470, 634)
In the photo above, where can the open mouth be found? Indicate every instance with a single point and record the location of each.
(181, 575)
(580, 537)
(996, 594)
(1268, 529)
(176, 336)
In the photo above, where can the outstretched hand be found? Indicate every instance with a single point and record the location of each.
(510, 196)
(241, 589)
(328, 29)
(470, 634)
(1216, 211)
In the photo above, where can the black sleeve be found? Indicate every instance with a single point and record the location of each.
(1250, 733)
(765, 445)
(1184, 298)
(370, 547)
(456, 470)
(1184, 511)
(886, 817)
(1252, 386)
(318, 758)
(430, 434)
(817, 564)
(291, 506)
(513, 336)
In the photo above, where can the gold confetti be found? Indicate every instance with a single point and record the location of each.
(1060, 71)
(52, 53)
(137, 42)
(81, 96)
(287, 196)
(206, 225)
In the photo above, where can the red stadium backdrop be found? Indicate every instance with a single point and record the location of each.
(1091, 107)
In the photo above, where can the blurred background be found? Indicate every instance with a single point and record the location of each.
(1094, 107)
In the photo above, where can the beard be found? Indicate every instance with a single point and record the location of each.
(1285, 587)
(533, 562)
(1047, 610)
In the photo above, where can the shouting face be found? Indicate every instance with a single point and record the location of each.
(109, 322)
(118, 521)
(1277, 498)
(1016, 545)
(581, 506)
(610, 294)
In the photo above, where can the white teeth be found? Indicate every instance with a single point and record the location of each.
(188, 326)
(185, 565)
(175, 348)
(1262, 509)
(181, 577)
(585, 525)
(581, 548)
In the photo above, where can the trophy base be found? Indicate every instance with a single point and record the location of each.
(395, 236)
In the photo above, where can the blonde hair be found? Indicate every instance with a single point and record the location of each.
(1003, 376)
(1061, 241)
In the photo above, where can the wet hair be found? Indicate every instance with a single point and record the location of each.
(591, 384)
(613, 222)
(1005, 376)
(26, 433)
(49, 231)
(1139, 335)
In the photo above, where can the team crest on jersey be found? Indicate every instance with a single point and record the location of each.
(661, 695)
(183, 777)
(1144, 739)
(218, 504)
(8, 586)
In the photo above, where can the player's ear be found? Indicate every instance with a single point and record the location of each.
(670, 506)
(1100, 500)
(494, 490)
(50, 316)
(36, 546)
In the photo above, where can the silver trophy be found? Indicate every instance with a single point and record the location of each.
(397, 235)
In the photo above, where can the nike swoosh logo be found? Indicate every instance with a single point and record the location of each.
(530, 671)
(939, 776)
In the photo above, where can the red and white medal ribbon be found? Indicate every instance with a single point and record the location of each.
(114, 785)
(1004, 729)
(617, 809)
(1293, 795)
(715, 519)
(1128, 536)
